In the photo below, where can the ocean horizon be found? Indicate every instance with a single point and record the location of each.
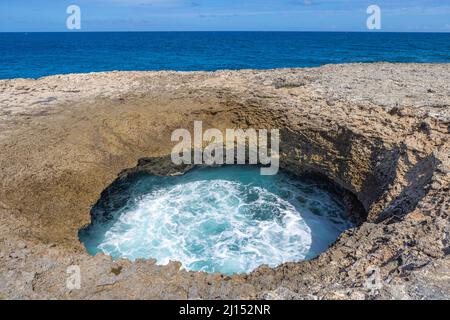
(39, 54)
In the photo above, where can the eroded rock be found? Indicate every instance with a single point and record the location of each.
(380, 131)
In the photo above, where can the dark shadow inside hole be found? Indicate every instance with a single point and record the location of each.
(323, 209)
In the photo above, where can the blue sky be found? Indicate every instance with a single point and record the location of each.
(192, 15)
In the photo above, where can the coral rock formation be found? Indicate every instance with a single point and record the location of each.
(380, 131)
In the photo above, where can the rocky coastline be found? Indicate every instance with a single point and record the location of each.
(379, 131)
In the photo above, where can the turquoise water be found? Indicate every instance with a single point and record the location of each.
(228, 219)
(41, 54)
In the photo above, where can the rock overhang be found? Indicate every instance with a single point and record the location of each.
(63, 154)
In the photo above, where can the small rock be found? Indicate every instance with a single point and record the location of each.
(116, 270)
(425, 127)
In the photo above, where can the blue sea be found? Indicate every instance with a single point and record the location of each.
(33, 55)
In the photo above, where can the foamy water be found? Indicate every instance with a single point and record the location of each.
(228, 219)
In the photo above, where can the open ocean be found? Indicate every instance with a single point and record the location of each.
(33, 55)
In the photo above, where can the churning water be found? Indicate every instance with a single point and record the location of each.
(227, 219)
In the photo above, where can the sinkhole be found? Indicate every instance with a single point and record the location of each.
(227, 219)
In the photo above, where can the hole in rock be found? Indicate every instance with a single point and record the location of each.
(227, 219)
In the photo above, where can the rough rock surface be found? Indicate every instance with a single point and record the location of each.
(381, 131)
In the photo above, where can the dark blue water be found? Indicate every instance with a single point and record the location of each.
(35, 55)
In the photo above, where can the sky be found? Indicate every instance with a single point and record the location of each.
(225, 15)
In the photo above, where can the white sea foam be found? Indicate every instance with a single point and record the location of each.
(220, 226)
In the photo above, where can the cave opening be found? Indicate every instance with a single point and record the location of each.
(228, 219)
